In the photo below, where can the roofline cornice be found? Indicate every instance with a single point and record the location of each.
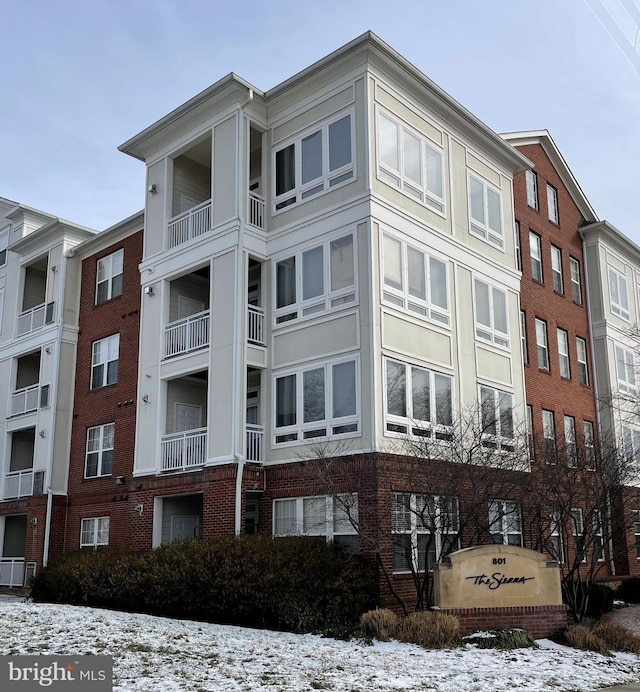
(613, 235)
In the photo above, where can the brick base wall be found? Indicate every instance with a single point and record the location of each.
(541, 621)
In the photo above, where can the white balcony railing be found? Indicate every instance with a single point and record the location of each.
(190, 224)
(255, 442)
(25, 400)
(184, 450)
(12, 571)
(186, 335)
(255, 325)
(18, 484)
(30, 320)
(256, 210)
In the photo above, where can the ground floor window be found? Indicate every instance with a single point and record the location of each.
(505, 522)
(94, 532)
(424, 529)
(636, 530)
(332, 517)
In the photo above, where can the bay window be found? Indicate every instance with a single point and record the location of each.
(485, 212)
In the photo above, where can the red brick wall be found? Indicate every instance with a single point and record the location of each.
(115, 403)
(541, 621)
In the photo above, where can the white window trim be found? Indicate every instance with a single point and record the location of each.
(415, 427)
(556, 269)
(95, 523)
(401, 298)
(545, 346)
(106, 341)
(506, 509)
(480, 229)
(494, 335)
(100, 451)
(570, 442)
(576, 283)
(552, 204)
(332, 506)
(531, 184)
(535, 255)
(397, 178)
(414, 529)
(297, 192)
(108, 262)
(636, 531)
(4, 245)
(583, 365)
(499, 441)
(627, 378)
(555, 531)
(589, 445)
(564, 361)
(577, 530)
(598, 533)
(300, 427)
(329, 301)
(549, 436)
(617, 308)
(631, 436)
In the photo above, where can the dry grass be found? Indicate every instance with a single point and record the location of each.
(618, 637)
(380, 624)
(429, 629)
(581, 637)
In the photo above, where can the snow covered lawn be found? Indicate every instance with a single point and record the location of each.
(152, 653)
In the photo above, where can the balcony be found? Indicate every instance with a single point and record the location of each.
(185, 335)
(35, 318)
(256, 210)
(29, 399)
(255, 325)
(18, 484)
(190, 224)
(11, 571)
(255, 442)
(184, 450)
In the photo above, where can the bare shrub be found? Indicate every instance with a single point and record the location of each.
(502, 638)
(380, 624)
(429, 629)
(581, 637)
(618, 637)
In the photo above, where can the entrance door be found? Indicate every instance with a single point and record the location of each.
(185, 527)
(188, 417)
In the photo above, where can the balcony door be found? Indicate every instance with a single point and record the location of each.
(188, 417)
(188, 307)
(184, 527)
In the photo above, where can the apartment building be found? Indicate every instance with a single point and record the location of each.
(38, 339)
(330, 260)
(613, 287)
(100, 507)
(550, 209)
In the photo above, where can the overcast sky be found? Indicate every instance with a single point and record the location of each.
(77, 79)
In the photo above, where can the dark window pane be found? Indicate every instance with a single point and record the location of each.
(312, 157)
(340, 143)
(285, 170)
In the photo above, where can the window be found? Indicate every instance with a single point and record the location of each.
(99, 458)
(505, 524)
(626, 370)
(418, 401)
(415, 281)
(314, 162)
(589, 445)
(532, 189)
(1, 306)
(542, 345)
(315, 280)
(109, 277)
(4, 244)
(485, 211)
(491, 314)
(618, 294)
(535, 251)
(576, 289)
(552, 203)
(631, 444)
(94, 532)
(549, 435)
(598, 545)
(529, 432)
(104, 363)
(334, 518)
(563, 353)
(523, 337)
(424, 529)
(409, 162)
(636, 531)
(570, 449)
(556, 269)
(316, 402)
(555, 535)
(583, 370)
(518, 248)
(496, 409)
(577, 529)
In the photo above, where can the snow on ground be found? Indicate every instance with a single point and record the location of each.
(153, 653)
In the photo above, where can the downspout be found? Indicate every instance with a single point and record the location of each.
(612, 565)
(238, 361)
(47, 527)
